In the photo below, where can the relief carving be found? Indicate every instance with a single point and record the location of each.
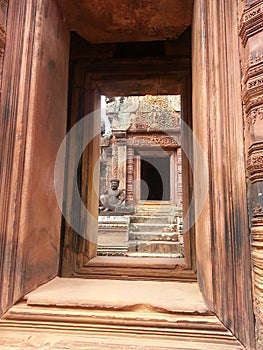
(255, 162)
(257, 209)
(253, 103)
(253, 78)
(153, 140)
(255, 83)
(254, 65)
(156, 120)
(253, 116)
(253, 87)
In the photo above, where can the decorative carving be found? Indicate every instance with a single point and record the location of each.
(157, 119)
(254, 66)
(255, 83)
(251, 21)
(130, 175)
(255, 162)
(253, 103)
(257, 209)
(144, 113)
(115, 159)
(253, 115)
(165, 141)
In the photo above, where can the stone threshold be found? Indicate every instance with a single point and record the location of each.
(95, 314)
(137, 268)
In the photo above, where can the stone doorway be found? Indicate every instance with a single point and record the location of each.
(141, 149)
(155, 173)
(222, 231)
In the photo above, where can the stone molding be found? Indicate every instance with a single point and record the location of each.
(251, 21)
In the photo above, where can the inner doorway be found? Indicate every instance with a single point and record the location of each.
(155, 176)
(140, 212)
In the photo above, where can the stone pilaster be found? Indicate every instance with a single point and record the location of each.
(130, 176)
(121, 155)
(251, 34)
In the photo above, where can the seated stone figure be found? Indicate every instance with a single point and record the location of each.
(113, 198)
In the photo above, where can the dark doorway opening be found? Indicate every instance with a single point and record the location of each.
(155, 176)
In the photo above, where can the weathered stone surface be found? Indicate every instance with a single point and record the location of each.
(169, 296)
(33, 124)
(116, 21)
(222, 234)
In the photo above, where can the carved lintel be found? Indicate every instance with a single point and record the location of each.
(150, 140)
(251, 22)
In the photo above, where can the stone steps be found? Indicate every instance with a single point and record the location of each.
(153, 232)
(152, 227)
(151, 219)
(146, 233)
(153, 236)
(138, 266)
(155, 247)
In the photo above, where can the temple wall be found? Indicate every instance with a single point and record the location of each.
(34, 107)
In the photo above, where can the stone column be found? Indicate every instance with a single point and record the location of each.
(130, 176)
(251, 34)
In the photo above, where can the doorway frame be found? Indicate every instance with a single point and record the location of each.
(78, 253)
(137, 172)
(211, 25)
